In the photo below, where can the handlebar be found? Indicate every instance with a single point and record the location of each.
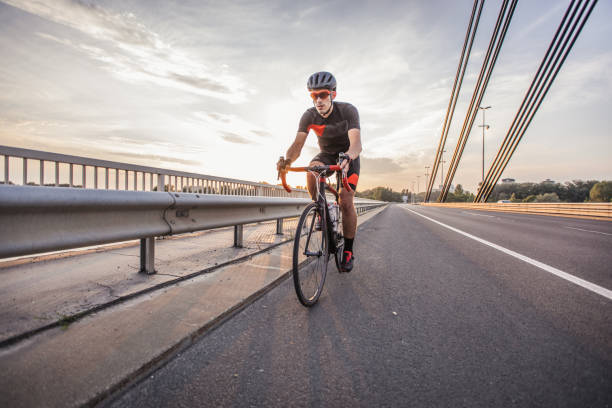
(316, 169)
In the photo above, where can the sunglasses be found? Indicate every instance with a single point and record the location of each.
(320, 94)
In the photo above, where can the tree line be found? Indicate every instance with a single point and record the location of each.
(381, 194)
(576, 191)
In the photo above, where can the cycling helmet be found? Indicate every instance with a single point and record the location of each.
(322, 80)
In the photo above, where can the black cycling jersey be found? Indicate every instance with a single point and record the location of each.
(332, 131)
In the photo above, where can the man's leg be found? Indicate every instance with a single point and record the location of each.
(349, 227)
(349, 214)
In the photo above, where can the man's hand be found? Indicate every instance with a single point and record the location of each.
(282, 164)
(344, 159)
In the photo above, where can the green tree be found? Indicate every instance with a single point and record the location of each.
(577, 191)
(380, 194)
(459, 195)
(530, 199)
(601, 192)
(547, 198)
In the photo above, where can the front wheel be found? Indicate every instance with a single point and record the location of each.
(310, 255)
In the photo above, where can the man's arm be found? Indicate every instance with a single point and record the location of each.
(355, 146)
(296, 148)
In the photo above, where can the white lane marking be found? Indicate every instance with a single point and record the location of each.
(596, 232)
(564, 275)
(480, 215)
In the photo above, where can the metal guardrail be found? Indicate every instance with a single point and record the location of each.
(37, 167)
(42, 219)
(598, 211)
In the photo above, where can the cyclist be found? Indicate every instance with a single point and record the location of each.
(336, 125)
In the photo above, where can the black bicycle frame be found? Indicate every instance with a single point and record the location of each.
(322, 203)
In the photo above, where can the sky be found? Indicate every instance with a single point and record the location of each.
(218, 88)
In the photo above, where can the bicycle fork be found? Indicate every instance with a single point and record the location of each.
(306, 251)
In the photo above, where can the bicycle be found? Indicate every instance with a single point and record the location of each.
(318, 234)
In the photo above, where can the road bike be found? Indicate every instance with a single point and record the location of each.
(318, 234)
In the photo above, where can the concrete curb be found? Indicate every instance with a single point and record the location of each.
(77, 316)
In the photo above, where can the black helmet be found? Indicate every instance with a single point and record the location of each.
(322, 80)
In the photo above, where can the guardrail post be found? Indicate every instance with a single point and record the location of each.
(6, 169)
(279, 226)
(160, 182)
(42, 172)
(25, 171)
(147, 255)
(238, 235)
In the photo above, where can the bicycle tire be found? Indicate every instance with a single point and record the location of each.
(310, 256)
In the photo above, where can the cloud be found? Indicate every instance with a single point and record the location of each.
(219, 117)
(234, 138)
(590, 78)
(543, 19)
(200, 83)
(262, 133)
(92, 20)
(232, 128)
(379, 166)
(132, 52)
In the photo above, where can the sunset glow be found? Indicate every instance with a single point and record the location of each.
(218, 88)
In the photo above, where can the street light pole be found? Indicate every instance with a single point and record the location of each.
(442, 172)
(483, 126)
(418, 184)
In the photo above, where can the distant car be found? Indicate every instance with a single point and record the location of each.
(504, 201)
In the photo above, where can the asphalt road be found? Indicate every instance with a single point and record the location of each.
(428, 317)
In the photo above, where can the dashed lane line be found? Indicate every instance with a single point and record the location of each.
(596, 232)
(479, 215)
(557, 272)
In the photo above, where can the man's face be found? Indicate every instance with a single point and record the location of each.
(322, 100)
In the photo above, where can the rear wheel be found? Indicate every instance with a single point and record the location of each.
(310, 256)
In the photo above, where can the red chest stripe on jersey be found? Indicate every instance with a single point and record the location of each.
(318, 129)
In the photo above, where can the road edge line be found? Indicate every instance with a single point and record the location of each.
(600, 290)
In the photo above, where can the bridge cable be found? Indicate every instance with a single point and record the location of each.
(463, 61)
(535, 95)
(495, 44)
(527, 100)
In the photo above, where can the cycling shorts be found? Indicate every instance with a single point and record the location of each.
(332, 158)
